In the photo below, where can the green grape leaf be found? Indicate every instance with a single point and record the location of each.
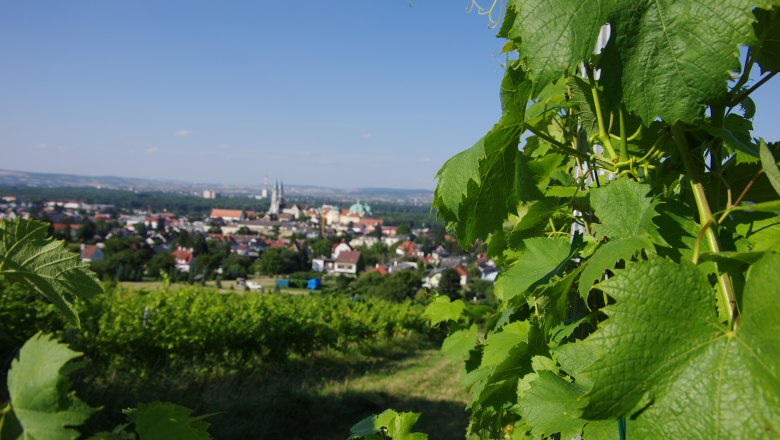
(767, 52)
(29, 257)
(515, 91)
(582, 96)
(731, 257)
(565, 192)
(773, 206)
(769, 165)
(453, 179)
(601, 430)
(732, 140)
(552, 404)
(761, 232)
(556, 35)
(38, 386)
(498, 344)
(477, 189)
(700, 379)
(506, 356)
(164, 420)
(625, 211)
(491, 199)
(397, 425)
(9, 425)
(542, 259)
(668, 58)
(740, 176)
(459, 344)
(605, 258)
(543, 169)
(441, 309)
(678, 228)
(532, 219)
(552, 299)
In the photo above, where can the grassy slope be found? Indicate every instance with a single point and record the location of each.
(317, 398)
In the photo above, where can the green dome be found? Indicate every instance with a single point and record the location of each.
(360, 208)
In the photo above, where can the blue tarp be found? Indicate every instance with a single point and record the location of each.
(314, 284)
(282, 283)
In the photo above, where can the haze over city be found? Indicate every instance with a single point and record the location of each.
(339, 94)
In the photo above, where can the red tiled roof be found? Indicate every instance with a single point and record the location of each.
(348, 257)
(409, 247)
(381, 270)
(371, 221)
(183, 255)
(273, 244)
(236, 213)
(88, 251)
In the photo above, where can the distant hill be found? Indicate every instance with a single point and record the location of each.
(10, 178)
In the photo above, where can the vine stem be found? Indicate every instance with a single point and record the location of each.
(708, 223)
(739, 98)
(623, 136)
(609, 165)
(603, 133)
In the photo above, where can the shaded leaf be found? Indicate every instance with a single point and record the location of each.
(731, 140)
(769, 165)
(533, 217)
(163, 420)
(767, 51)
(396, 425)
(605, 258)
(761, 232)
(773, 206)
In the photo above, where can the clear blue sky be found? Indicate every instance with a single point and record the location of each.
(344, 94)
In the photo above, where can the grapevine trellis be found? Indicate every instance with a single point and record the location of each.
(659, 307)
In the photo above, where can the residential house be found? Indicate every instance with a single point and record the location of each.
(464, 274)
(398, 266)
(433, 278)
(380, 269)
(389, 231)
(295, 211)
(348, 262)
(323, 264)
(338, 248)
(183, 258)
(408, 249)
(227, 215)
(91, 252)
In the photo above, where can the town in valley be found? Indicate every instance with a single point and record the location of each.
(278, 245)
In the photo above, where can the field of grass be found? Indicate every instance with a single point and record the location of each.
(315, 399)
(268, 284)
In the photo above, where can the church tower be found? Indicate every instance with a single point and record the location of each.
(281, 197)
(274, 208)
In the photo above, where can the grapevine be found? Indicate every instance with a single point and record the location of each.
(635, 221)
